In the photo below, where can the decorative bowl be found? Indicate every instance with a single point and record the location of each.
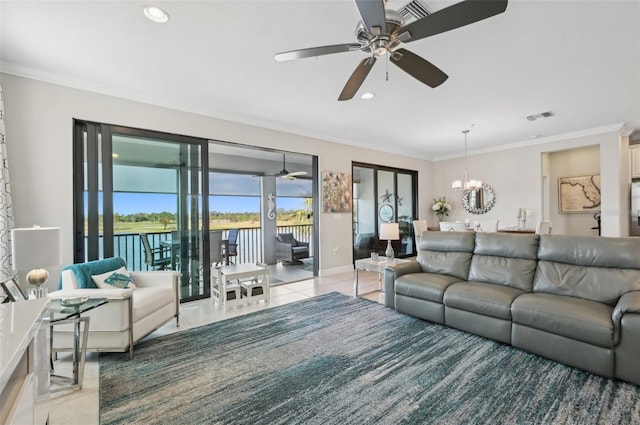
(73, 302)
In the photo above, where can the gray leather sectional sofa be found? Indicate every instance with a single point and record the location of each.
(573, 299)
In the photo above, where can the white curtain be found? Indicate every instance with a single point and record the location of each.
(6, 206)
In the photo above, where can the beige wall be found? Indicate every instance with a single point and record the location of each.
(517, 178)
(39, 132)
(39, 144)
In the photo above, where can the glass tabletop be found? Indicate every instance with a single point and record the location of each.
(70, 307)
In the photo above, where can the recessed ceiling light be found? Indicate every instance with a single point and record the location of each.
(115, 155)
(156, 14)
(367, 96)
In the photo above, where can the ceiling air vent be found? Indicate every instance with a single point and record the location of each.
(414, 10)
(540, 115)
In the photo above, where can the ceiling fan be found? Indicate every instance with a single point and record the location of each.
(381, 31)
(284, 174)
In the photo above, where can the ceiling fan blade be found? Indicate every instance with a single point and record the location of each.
(295, 174)
(419, 68)
(372, 14)
(316, 51)
(357, 78)
(454, 16)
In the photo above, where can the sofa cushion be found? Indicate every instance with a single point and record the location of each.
(149, 299)
(507, 245)
(482, 298)
(513, 272)
(425, 286)
(591, 251)
(601, 284)
(591, 267)
(575, 318)
(84, 271)
(504, 259)
(447, 253)
(120, 279)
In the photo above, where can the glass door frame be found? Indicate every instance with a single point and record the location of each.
(97, 153)
(414, 195)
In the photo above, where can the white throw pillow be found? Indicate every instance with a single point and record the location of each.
(119, 279)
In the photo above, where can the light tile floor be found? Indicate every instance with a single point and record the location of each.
(82, 407)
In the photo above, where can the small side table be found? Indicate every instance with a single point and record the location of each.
(61, 315)
(377, 266)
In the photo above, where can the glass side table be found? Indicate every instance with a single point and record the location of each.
(69, 311)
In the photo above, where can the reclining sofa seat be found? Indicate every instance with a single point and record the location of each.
(573, 299)
(419, 286)
(582, 287)
(502, 268)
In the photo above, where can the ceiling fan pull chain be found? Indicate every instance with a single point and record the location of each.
(387, 68)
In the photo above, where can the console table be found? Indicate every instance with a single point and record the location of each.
(24, 362)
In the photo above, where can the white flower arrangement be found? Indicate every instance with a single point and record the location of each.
(441, 207)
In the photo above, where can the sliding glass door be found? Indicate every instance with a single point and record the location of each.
(139, 196)
(382, 195)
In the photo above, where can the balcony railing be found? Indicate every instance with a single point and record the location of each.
(129, 246)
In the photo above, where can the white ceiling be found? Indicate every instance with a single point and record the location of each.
(578, 59)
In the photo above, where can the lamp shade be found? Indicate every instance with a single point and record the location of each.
(389, 231)
(35, 247)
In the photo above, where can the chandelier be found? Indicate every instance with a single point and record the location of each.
(466, 183)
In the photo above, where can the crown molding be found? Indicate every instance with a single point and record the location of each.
(611, 128)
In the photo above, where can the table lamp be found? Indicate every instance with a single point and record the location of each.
(34, 248)
(390, 232)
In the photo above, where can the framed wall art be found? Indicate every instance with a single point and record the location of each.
(336, 192)
(579, 194)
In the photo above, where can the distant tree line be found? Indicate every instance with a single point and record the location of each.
(302, 216)
(138, 217)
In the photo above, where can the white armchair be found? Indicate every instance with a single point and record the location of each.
(129, 315)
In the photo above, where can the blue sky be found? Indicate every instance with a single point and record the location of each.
(131, 203)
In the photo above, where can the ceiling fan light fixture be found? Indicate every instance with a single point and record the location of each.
(155, 14)
(367, 96)
(380, 51)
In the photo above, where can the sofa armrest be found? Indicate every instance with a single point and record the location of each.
(626, 322)
(628, 303)
(110, 294)
(283, 251)
(164, 279)
(68, 279)
(148, 279)
(390, 276)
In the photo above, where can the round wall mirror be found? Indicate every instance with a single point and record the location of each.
(478, 201)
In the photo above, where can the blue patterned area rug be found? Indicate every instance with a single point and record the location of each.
(334, 359)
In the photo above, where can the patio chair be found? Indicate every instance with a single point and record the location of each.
(289, 250)
(216, 254)
(232, 237)
(154, 257)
